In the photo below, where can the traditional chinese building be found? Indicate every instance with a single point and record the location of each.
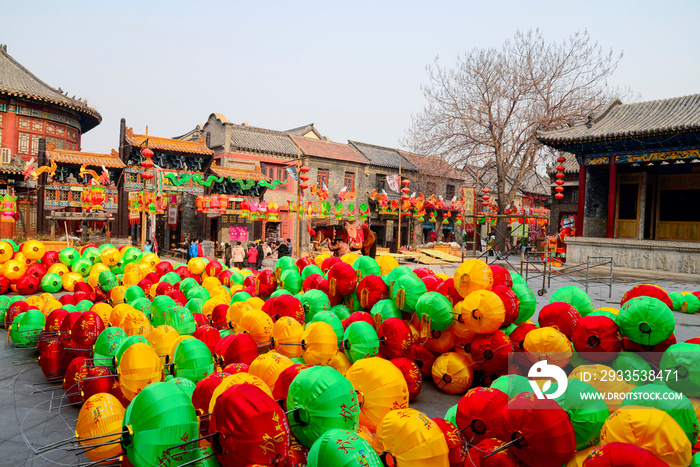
(243, 147)
(385, 163)
(639, 184)
(184, 165)
(31, 110)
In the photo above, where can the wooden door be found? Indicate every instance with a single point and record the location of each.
(627, 209)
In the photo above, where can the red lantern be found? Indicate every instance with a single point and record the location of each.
(598, 338)
(561, 316)
(281, 389)
(284, 305)
(395, 338)
(209, 335)
(304, 169)
(147, 164)
(411, 373)
(543, 429)
(147, 153)
(479, 414)
(560, 175)
(252, 428)
(492, 351)
(147, 175)
(237, 348)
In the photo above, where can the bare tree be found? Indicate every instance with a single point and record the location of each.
(486, 109)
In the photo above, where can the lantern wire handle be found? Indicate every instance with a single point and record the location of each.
(505, 446)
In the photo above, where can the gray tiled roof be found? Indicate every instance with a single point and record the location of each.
(638, 119)
(253, 139)
(570, 164)
(15, 80)
(303, 130)
(383, 157)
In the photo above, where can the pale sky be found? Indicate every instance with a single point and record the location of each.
(352, 68)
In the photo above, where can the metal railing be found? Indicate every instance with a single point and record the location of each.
(572, 271)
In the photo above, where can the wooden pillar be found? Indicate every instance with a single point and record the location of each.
(9, 136)
(642, 205)
(581, 200)
(41, 221)
(612, 192)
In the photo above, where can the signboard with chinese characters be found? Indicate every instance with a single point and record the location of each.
(468, 193)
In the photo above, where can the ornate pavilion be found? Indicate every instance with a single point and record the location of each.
(31, 110)
(639, 184)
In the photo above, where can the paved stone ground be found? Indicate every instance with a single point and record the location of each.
(33, 413)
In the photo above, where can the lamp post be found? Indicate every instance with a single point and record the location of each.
(145, 175)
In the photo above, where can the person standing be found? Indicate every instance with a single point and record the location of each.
(252, 257)
(290, 247)
(228, 254)
(238, 255)
(261, 256)
(282, 250)
(200, 248)
(193, 250)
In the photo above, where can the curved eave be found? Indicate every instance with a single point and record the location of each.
(557, 142)
(89, 118)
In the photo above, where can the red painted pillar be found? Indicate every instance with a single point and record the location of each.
(9, 134)
(612, 192)
(581, 199)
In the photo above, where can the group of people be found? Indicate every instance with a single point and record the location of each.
(237, 256)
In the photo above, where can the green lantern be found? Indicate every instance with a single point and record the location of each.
(192, 360)
(320, 399)
(676, 300)
(587, 414)
(438, 308)
(132, 255)
(195, 305)
(290, 280)
(528, 302)
(397, 273)
(360, 341)
(83, 305)
(51, 282)
(133, 293)
(678, 406)
(198, 292)
(574, 296)
(92, 254)
(159, 418)
(680, 366)
(341, 311)
(632, 362)
(26, 328)
(356, 451)
(187, 283)
(605, 313)
(240, 297)
(646, 320)
(107, 280)
(107, 345)
(406, 290)
(182, 320)
(310, 270)
(285, 263)
(82, 266)
(104, 246)
(512, 385)
(517, 279)
(161, 306)
(451, 415)
(366, 265)
(171, 278)
(690, 304)
(279, 292)
(314, 301)
(143, 305)
(68, 255)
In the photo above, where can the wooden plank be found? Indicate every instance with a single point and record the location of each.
(425, 259)
(441, 255)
